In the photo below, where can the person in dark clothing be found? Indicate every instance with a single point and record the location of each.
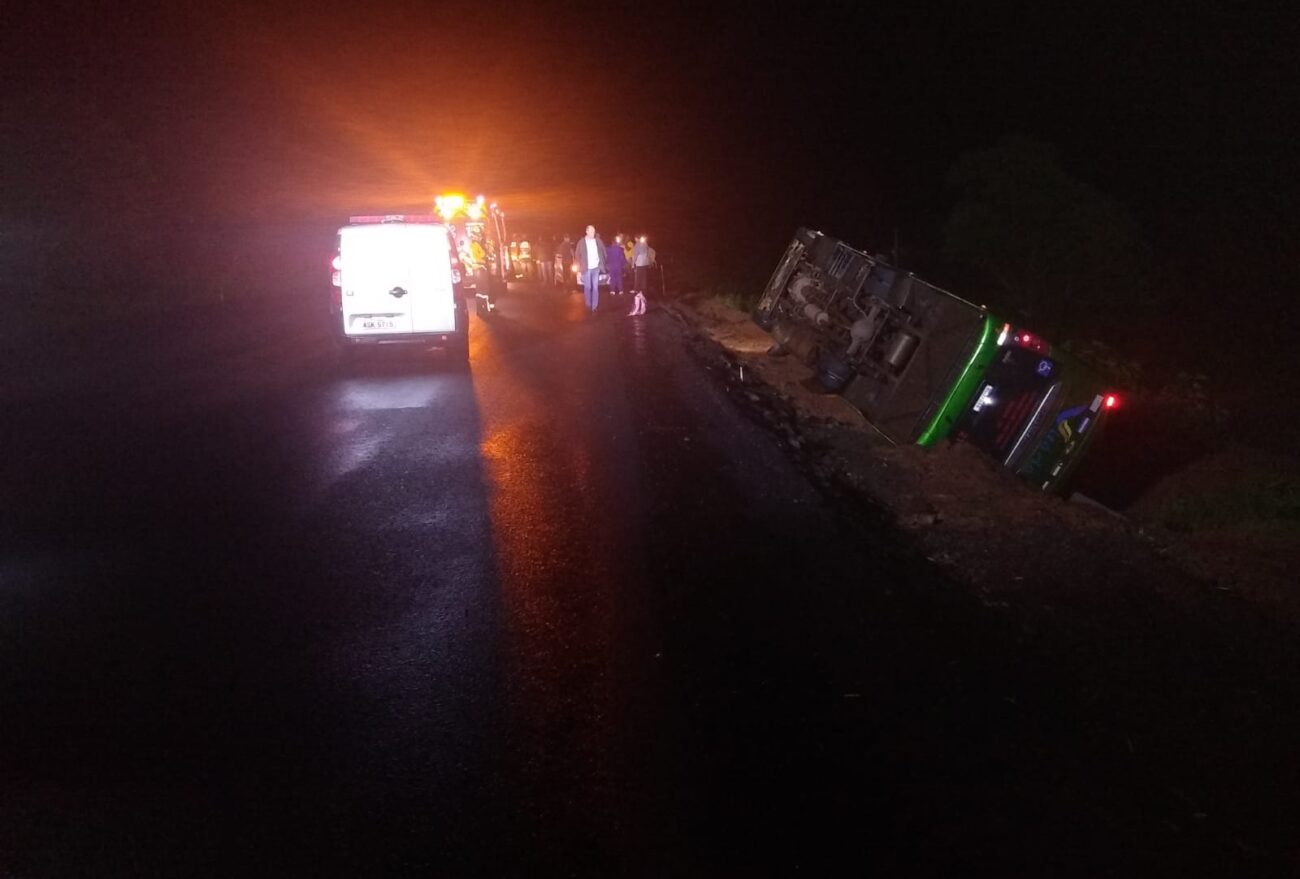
(545, 250)
(616, 260)
(563, 256)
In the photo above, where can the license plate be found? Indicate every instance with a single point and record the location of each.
(378, 324)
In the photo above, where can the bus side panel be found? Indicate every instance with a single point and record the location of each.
(948, 331)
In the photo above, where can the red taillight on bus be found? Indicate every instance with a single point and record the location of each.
(1023, 339)
(1030, 342)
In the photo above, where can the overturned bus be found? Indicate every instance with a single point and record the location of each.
(922, 364)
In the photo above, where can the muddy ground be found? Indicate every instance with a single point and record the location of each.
(1184, 646)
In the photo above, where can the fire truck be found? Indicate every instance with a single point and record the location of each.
(478, 230)
(923, 364)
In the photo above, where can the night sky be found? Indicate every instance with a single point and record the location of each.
(717, 128)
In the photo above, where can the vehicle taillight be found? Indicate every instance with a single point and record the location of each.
(1112, 401)
(1030, 342)
(1022, 339)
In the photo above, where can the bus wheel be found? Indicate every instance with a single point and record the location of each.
(833, 372)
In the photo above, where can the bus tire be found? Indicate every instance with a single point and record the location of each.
(833, 372)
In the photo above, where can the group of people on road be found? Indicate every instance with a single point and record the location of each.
(622, 261)
(594, 258)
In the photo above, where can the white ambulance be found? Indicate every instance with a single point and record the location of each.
(397, 281)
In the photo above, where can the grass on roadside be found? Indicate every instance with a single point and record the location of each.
(1231, 488)
(735, 293)
(1263, 501)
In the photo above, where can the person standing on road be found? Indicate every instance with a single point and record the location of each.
(616, 261)
(563, 256)
(545, 251)
(642, 259)
(590, 257)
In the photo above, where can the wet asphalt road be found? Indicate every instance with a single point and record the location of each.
(568, 613)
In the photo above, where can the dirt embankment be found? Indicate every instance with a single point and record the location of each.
(1180, 671)
(994, 533)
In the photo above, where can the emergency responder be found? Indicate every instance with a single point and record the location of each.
(478, 259)
(476, 253)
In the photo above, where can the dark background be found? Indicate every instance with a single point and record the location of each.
(145, 144)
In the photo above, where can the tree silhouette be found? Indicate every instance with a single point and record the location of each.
(1055, 253)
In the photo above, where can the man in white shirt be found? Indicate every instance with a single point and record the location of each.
(590, 256)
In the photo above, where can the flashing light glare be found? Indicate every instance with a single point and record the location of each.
(480, 200)
(337, 262)
(643, 239)
(575, 268)
(1002, 336)
(449, 204)
(1112, 401)
(475, 210)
